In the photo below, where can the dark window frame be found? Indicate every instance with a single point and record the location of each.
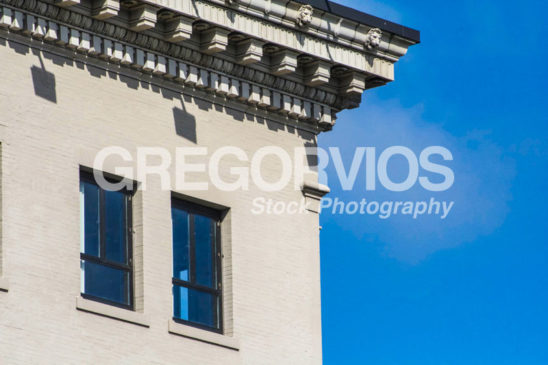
(87, 176)
(216, 215)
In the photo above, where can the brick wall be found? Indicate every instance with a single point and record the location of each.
(55, 114)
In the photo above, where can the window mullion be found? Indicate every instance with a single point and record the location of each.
(219, 255)
(213, 248)
(192, 247)
(102, 221)
(197, 287)
(129, 229)
(106, 263)
(218, 303)
(129, 244)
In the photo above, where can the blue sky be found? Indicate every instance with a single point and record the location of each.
(471, 289)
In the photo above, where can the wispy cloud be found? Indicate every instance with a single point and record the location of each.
(482, 190)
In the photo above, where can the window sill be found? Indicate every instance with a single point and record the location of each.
(109, 311)
(203, 335)
(4, 284)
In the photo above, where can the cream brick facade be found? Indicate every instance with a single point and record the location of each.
(58, 108)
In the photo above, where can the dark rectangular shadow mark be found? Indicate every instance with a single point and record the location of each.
(19, 48)
(275, 126)
(185, 124)
(130, 82)
(308, 136)
(312, 160)
(236, 114)
(57, 60)
(203, 104)
(168, 94)
(44, 84)
(96, 71)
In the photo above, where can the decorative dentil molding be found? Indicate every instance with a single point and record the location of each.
(323, 24)
(293, 43)
(169, 61)
(332, 73)
(179, 51)
(352, 54)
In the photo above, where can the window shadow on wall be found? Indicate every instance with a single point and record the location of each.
(185, 124)
(44, 82)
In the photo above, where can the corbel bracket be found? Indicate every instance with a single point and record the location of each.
(313, 193)
(142, 18)
(214, 40)
(179, 29)
(317, 73)
(249, 51)
(104, 9)
(284, 62)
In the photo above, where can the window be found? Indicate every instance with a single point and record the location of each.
(105, 253)
(196, 279)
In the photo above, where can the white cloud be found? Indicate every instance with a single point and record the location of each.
(481, 192)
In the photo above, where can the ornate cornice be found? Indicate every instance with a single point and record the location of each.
(213, 47)
(181, 64)
(280, 31)
(324, 25)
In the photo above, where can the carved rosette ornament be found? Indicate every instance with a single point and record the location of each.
(373, 39)
(305, 15)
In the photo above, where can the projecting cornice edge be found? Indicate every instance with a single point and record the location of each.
(285, 56)
(345, 41)
(189, 68)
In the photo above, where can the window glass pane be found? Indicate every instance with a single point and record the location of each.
(105, 282)
(115, 226)
(196, 306)
(181, 265)
(90, 195)
(201, 308)
(180, 302)
(204, 233)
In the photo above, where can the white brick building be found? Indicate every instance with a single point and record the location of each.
(81, 75)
